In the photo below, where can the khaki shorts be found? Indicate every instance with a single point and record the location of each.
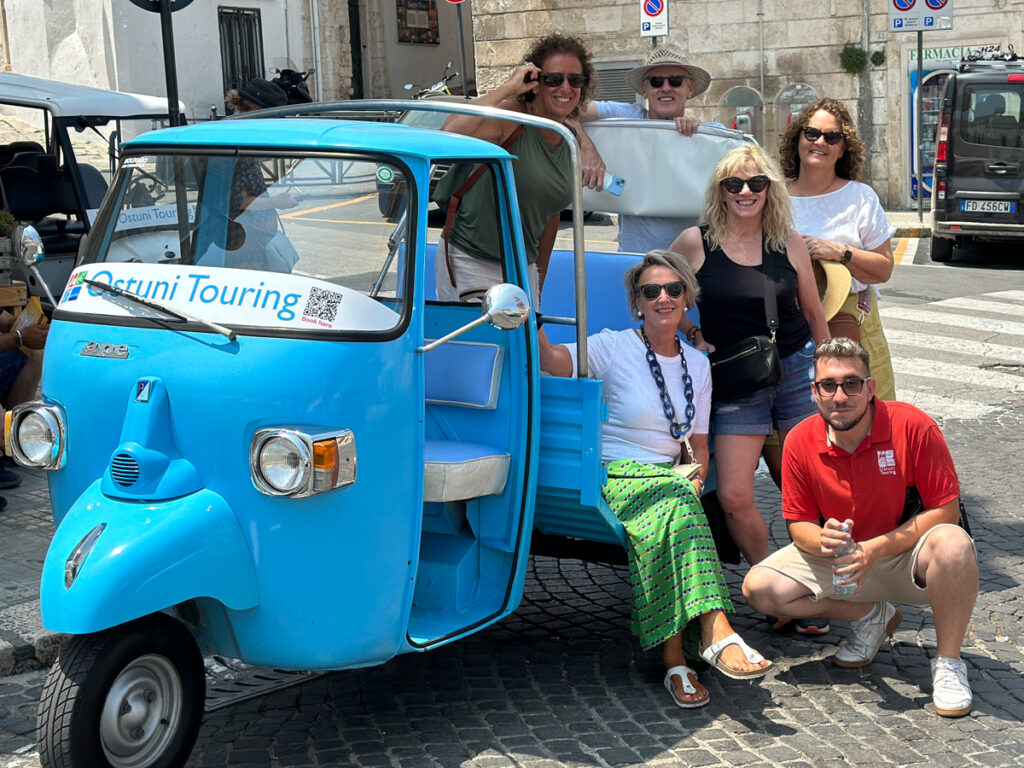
(890, 579)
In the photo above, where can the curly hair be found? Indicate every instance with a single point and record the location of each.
(556, 43)
(238, 103)
(843, 348)
(777, 215)
(849, 166)
(670, 259)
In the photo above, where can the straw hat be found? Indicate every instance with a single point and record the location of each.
(668, 56)
(833, 280)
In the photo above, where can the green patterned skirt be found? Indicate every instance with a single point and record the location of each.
(673, 564)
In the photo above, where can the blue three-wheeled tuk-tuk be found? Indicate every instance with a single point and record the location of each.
(266, 440)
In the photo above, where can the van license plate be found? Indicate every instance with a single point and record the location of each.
(988, 206)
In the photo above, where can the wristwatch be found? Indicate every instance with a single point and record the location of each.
(847, 256)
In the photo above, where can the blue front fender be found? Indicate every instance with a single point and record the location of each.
(149, 557)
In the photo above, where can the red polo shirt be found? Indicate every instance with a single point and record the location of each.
(904, 448)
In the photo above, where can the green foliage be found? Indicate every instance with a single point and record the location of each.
(7, 224)
(853, 59)
(878, 58)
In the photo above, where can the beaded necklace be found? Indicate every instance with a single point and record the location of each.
(675, 429)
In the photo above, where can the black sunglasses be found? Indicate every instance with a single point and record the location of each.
(851, 387)
(555, 79)
(831, 137)
(651, 291)
(657, 81)
(734, 185)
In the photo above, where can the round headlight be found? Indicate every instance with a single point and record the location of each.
(284, 463)
(38, 435)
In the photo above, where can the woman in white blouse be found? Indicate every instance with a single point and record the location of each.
(842, 220)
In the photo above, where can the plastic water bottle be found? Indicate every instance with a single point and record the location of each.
(843, 589)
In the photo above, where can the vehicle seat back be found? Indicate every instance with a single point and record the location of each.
(467, 375)
(8, 151)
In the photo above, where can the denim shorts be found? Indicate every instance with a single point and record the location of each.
(780, 407)
(11, 363)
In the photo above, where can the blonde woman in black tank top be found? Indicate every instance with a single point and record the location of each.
(747, 222)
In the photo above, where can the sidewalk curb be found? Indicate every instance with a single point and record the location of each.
(24, 643)
(918, 231)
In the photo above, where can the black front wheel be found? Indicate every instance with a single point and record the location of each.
(128, 697)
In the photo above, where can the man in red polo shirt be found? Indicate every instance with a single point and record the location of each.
(852, 467)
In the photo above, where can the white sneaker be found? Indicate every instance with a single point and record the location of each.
(861, 647)
(951, 693)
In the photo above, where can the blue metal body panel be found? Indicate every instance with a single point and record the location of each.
(312, 557)
(149, 557)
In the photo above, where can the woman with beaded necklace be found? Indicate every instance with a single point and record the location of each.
(659, 399)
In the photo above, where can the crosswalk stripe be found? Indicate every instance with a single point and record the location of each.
(943, 406)
(960, 321)
(957, 372)
(1015, 295)
(903, 245)
(1001, 352)
(980, 305)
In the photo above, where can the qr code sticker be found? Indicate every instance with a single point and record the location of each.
(322, 305)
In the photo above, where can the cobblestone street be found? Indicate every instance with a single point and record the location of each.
(562, 683)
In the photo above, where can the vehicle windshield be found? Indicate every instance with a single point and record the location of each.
(304, 243)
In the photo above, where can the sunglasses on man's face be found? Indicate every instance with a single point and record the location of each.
(734, 185)
(652, 291)
(555, 79)
(831, 137)
(657, 81)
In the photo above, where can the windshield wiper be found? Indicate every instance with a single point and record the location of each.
(175, 313)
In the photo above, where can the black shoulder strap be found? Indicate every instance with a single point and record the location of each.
(771, 311)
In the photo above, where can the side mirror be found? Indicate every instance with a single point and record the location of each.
(31, 246)
(505, 306)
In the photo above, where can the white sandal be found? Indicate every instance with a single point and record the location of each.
(684, 674)
(712, 655)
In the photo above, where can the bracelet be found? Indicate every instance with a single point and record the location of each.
(21, 341)
(691, 335)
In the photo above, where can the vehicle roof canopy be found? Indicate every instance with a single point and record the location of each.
(301, 133)
(70, 100)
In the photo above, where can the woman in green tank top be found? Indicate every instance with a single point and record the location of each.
(553, 82)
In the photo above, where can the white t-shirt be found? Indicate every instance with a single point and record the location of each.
(637, 427)
(851, 215)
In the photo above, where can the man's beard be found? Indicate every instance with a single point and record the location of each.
(846, 426)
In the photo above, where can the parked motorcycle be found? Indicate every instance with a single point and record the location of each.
(440, 88)
(293, 82)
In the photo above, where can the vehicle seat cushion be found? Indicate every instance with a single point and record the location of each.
(454, 470)
(463, 373)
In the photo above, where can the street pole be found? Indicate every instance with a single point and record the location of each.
(918, 104)
(462, 53)
(170, 71)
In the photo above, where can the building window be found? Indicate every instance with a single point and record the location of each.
(611, 81)
(241, 45)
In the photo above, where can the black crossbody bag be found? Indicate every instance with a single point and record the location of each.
(753, 363)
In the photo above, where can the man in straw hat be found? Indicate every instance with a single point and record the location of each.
(667, 82)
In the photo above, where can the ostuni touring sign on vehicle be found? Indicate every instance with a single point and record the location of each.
(229, 296)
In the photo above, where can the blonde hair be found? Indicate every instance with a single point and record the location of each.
(669, 259)
(777, 214)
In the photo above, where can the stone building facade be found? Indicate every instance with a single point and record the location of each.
(782, 52)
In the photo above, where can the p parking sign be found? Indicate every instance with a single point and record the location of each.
(653, 18)
(920, 15)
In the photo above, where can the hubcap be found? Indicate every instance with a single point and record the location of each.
(142, 712)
